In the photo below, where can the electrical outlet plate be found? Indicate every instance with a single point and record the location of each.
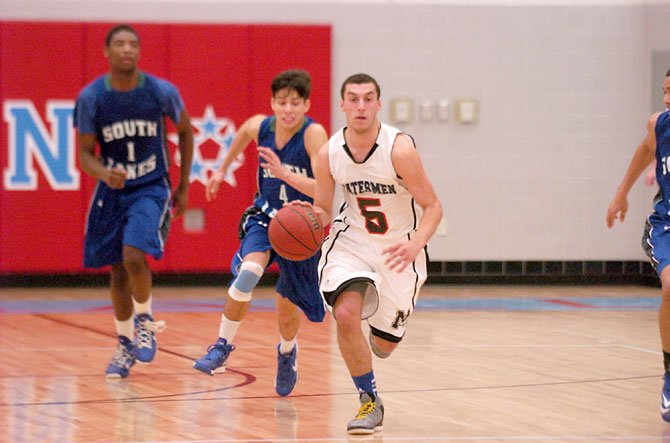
(194, 220)
(402, 110)
(426, 110)
(466, 110)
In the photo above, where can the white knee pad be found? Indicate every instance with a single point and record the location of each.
(245, 282)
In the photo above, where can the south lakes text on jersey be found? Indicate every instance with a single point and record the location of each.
(129, 128)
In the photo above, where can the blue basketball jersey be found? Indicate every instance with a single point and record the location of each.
(272, 192)
(656, 236)
(662, 204)
(130, 125)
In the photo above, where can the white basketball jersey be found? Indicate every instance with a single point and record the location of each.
(376, 200)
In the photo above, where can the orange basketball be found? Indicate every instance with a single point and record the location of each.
(296, 232)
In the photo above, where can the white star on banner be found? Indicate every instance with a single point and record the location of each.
(218, 130)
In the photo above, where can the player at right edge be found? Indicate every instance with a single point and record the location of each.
(656, 236)
(374, 260)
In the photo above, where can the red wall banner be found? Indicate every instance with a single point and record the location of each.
(223, 73)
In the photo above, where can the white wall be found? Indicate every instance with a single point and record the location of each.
(563, 91)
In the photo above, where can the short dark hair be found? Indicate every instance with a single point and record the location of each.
(667, 74)
(359, 79)
(119, 28)
(292, 79)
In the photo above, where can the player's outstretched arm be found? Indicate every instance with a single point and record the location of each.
(315, 137)
(325, 185)
(643, 156)
(185, 132)
(408, 165)
(245, 134)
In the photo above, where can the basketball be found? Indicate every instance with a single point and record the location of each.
(296, 232)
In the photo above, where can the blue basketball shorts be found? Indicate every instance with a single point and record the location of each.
(298, 280)
(656, 241)
(137, 217)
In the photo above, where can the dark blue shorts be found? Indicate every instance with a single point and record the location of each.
(298, 280)
(656, 241)
(137, 217)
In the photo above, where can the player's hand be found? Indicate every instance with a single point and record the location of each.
(116, 177)
(180, 200)
(317, 210)
(617, 209)
(400, 255)
(271, 162)
(213, 184)
(299, 203)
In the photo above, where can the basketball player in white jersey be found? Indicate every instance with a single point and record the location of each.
(373, 262)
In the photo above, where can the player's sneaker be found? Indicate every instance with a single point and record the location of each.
(665, 398)
(369, 418)
(145, 340)
(287, 371)
(214, 362)
(122, 360)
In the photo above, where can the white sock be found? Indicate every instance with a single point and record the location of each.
(125, 328)
(228, 328)
(286, 346)
(142, 308)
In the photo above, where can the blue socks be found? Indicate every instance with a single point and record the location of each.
(366, 384)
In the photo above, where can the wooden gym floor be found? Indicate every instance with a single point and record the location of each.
(478, 364)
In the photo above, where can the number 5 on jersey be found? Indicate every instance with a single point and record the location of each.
(375, 221)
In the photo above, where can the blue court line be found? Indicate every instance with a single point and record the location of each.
(425, 304)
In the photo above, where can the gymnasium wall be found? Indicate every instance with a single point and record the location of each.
(563, 92)
(223, 73)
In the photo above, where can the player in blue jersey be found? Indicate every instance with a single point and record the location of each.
(287, 142)
(656, 239)
(123, 112)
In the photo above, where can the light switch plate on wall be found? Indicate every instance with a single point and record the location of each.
(466, 110)
(402, 110)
